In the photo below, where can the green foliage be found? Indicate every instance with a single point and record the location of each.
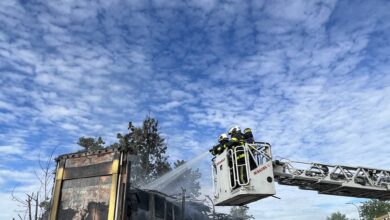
(240, 213)
(151, 161)
(45, 205)
(374, 208)
(337, 216)
(91, 144)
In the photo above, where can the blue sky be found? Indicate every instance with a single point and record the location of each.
(310, 77)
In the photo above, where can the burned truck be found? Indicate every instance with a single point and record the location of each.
(97, 185)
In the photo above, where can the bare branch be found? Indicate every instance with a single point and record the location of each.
(14, 198)
(36, 207)
(40, 161)
(37, 176)
(44, 175)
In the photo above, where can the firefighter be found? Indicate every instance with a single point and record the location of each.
(221, 146)
(213, 150)
(237, 139)
(223, 140)
(248, 136)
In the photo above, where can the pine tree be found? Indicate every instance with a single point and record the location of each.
(150, 149)
(151, 161)
(91, 144)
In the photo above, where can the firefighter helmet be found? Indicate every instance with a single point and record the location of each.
(247, 130)
(234, 129)
(222, 137)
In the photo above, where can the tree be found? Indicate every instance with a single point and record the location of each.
(337, 216)
(151, 161)
(189, 180)
(36, 205)
(374, 208)
(91, 144)
(240, 213)
(45, 176)
(29, 206)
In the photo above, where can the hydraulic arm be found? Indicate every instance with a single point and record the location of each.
(247, 173)
(361, 182)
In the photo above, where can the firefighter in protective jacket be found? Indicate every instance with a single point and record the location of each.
(248, 136)
(237, 139)
(223, 140)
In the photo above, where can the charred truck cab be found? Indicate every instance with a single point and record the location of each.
(243, 174)
(91, 185)
(97, 185)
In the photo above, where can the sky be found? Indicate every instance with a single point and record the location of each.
(310, 77)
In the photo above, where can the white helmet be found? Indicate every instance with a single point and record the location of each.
(222, 137)
(234, 129)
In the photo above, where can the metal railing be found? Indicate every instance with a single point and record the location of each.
(232, 169)
(258, 153)
(241, 165)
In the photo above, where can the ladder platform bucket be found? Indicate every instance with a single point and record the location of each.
(243, 175)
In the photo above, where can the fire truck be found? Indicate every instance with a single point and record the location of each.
(97, 184)
(242, 181)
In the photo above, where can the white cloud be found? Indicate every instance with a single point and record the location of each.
(8, 207)
(309, 77)
(11, 150)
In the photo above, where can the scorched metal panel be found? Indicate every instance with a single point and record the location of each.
(85, 199)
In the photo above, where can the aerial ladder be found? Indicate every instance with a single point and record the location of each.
(238, 181)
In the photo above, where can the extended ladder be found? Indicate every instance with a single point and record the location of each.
(361, 182)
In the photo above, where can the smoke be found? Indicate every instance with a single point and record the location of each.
(166, 179)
